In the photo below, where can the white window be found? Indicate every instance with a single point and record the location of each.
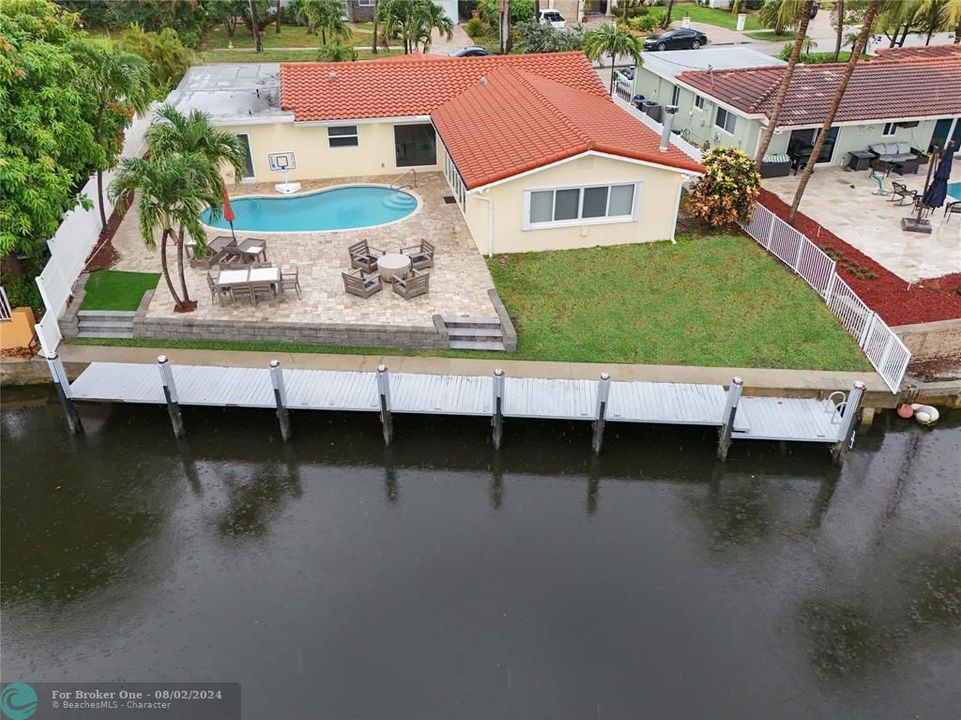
(699, 102)
(725, 120)
(675, 95)
(365, 3)
(890, 129)
(342, 135)
(579, 205)
(455, 181)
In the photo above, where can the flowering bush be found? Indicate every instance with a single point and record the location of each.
(727, 192)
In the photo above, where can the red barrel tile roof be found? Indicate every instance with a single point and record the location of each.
(512, 121)
(410, 85)
(922, 87)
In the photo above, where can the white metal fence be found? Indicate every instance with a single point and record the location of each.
(880, 344)
(74, 240)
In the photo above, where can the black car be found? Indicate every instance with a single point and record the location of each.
(679, 39)
(470, 51)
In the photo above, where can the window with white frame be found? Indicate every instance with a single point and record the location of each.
(699, 102)
(577, 205)
(675, 95)
(455, 181)
(890, 129)
(725, 120)
(365, 3)
(342, 135)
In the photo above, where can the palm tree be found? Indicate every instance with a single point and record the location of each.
(667, 14)
(373, 45)
(779, 14)
(120, 83)
(932, 15)
(193, 135)
(838, 15)
(255, 27)
(869, 15)
(804, 17)
(954, 19)
(428, 16)
(325, 16)
(897, 18)
(614, 41)
(171, 192)
(337, 51)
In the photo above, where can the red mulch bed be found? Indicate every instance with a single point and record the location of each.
(888, 295)
(104, 254)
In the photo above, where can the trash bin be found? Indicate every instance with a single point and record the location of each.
(637, 101)
(652, 109)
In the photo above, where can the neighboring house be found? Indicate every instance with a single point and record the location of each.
(536, 154)
(911, 95)
(363, 10)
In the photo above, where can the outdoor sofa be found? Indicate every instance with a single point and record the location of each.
(778, 165)
(902, 157)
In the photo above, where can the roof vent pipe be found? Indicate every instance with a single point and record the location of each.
(332, 75)
(669, 111)
(483, 80)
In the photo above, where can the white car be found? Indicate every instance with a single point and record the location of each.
(552, 18)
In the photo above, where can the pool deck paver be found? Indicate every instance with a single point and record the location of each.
(459, 280)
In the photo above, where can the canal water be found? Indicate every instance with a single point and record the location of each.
(333, 578)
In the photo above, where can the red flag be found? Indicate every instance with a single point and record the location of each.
(228, 211)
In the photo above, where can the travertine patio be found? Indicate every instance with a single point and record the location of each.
(844, 202)
(459, 280)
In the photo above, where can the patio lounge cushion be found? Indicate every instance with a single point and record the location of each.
(777, 158)
(893, 152)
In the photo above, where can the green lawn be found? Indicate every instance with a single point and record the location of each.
(721, 18)
(116, 290)
(273, 56)
(290, 36)
(770, 36)
(719, 301)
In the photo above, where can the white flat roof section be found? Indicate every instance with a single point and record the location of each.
(669, 63)
(232, 94)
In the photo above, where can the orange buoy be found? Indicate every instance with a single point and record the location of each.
(905, 411)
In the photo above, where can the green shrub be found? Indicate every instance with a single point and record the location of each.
(22, 291)
(475, 27)
(646, 23)
(726, 195)
(519, 11)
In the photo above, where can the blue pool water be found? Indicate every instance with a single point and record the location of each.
(954, 190)
(343, 208)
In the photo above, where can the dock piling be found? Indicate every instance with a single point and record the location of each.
(727, 418)
(280, 398)
(600, 413)
(497, 407)
(170, 395)
(383, 390)
(62, 386)
(849, 421)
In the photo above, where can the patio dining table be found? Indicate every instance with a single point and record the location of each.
(249, 275)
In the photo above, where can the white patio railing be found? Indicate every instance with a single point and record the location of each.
(74, 240)
(676, 140)
(880, 344)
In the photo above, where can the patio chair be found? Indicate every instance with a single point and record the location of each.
(421, 255)
(900, 192)
(952, 208)
(217, 292)
(263, 289)
(215, 253)
(356, 284)
(416, 283)
(233, 254)
(290, 280)
(363, 256)
(247, 244)
(242, 291)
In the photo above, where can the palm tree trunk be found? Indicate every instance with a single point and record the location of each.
(667, 13)
(957, 33)
(835, 104)
(178, 303)
(180, 265)
(802, 31)
(255, 27)
(277, 13)
(373, 45)
(612, 75)
(904, 35)
(98, 122)
(839, 6)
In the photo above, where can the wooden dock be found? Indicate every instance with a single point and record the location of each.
(829, 421)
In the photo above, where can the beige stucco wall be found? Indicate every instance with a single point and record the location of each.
(657, 195)
(373, 155)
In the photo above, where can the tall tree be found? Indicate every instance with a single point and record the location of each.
(171, 192)
(837, 16)
(228, 13)
(326, 17)
(167, 57)
(954, 19)
(614, 41)
(255, 27)
(781, 14)
(277, 17)
(120, 85)
(803, 13)
(842, 87)
(47, 145)
(191, 135)
(375, 43)
(932, 15)
(667, 14)
(429, 16)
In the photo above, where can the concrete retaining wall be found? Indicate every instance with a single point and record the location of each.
(934, 342)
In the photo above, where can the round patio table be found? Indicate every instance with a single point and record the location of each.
(393, 264)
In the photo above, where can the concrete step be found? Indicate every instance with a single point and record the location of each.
(105, 334)
(107, 314)
(105, 325)
(463, 333)
(459, 321)
(495, 346)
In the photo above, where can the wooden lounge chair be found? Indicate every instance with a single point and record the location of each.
(215, 253)
(416, 283)
(247, 244)
(290, 280)
(421, 255)
(900, 192)
(356, 284)
(363, 256)
(952, 208)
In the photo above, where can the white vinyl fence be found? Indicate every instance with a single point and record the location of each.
(74, 240)
(883, 348)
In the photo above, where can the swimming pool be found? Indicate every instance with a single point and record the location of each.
(954, 190)
(341, 208)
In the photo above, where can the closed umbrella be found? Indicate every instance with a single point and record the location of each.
(936, 193)
(229, 214)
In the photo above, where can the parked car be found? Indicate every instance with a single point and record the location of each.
(551, 17)
(470, 51)
(626, 74)
(679, 39)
